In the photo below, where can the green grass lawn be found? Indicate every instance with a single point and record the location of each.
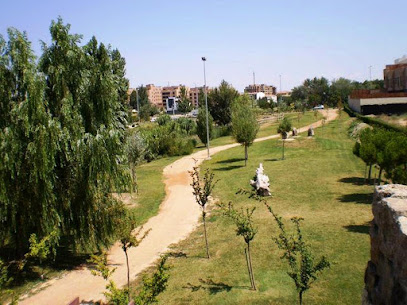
(320, 180)
(151, 190)
(269, 129)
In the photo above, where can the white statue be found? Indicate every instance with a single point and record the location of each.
(261, 182)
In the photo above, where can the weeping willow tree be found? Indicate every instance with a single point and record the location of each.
(62, 139)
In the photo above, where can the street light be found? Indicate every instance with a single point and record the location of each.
(206, 106)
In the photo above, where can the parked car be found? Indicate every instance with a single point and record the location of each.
(318, 107)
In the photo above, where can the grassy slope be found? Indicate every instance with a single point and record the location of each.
(318, 181)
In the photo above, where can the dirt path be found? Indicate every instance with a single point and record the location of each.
(177, 218)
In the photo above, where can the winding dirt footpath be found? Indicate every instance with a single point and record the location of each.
(177, 218)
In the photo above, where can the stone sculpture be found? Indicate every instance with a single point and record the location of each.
(311, 132)
(294, 132)
(261, 182)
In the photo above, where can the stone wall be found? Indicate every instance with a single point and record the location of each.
(386, 272)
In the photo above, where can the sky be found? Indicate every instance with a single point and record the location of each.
(163, 41)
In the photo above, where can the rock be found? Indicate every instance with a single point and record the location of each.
(311, 132)
(386, 272)
(285, 135)
(294, 132)
(261, 182)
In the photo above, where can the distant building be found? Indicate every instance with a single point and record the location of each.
(268, 91)
(155, 95)
(284, 93)
(392, 99)
(172, 91)
(194, 96)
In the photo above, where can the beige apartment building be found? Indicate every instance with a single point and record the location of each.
(155, 95)
(268, 91)
(172, 91)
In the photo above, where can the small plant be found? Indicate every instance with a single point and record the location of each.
(243, 220)
(129, 239)
(202, 189)
(152, 286)
(284, 127)
(43, 249)
(303, 268)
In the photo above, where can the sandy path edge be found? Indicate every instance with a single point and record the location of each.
(177, 218)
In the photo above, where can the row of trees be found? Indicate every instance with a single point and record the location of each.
(62, 135)
(304, 268)
(386, 149)
(321, 91)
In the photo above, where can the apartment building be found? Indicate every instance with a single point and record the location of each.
(395, 76)
(269, 91)
(155, 95)
(172, 91)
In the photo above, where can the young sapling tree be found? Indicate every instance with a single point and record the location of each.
(202, 189)
(130, 238)
(243, 220)
(304, 270)
(284, 128)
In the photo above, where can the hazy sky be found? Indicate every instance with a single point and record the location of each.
(163, 41)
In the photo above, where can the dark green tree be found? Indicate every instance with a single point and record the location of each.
(184, 103)
(244, 124)
(220, 102)
(63, 144)
(143, 96)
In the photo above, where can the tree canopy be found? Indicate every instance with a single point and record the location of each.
(61, 138)
(220, 102)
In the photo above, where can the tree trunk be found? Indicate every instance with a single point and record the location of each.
(248, 267)
(128, 273)
(245, 155)
(370, 173)
(206, 237)
(251, 268)
(300, 296)
(365, 174)
(380, 175)
(283, 148)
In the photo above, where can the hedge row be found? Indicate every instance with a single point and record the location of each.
(373, 121)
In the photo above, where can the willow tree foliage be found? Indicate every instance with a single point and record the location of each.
(61, 139)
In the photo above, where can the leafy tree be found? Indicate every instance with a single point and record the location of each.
(284, 127)
(163, 119)
(184, 104)
(147, 111)
(202, 189)
(136, 150)
(243, 220)
(63, 140)
(201, 125)
(244, 124)
(143, 96)
(133, 99)
(303, 268)
(220, 102)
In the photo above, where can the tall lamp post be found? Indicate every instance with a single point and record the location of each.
(206, 106)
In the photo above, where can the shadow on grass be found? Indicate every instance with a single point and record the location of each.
(363, 229)
(177, 254)
(359, 198)
(230, 160)
(211, 286)
(353, 180)
(273, 160)
(228, 168)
